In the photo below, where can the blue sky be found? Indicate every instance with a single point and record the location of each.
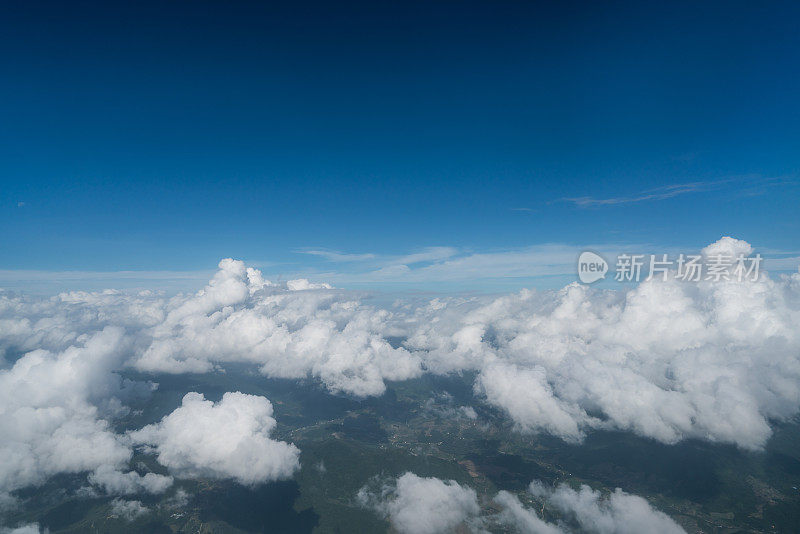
(163, 137)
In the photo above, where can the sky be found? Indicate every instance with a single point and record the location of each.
(339, 140)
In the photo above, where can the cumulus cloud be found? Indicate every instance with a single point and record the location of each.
(728, 246)
(417, 505)
(528, 399)
(54, 413)
(128, 483)
(617, 513)
(289, 332)
(228, 439)
(668, 359)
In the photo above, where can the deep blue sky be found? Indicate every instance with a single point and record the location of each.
(164, 136)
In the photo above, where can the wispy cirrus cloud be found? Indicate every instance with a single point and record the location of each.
(746, 185)
(428, 254)
(462, 267)
(659, 193)
(334, 256)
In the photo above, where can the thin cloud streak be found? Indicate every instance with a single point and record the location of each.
(755, 185)
(429, 254)
(660, 193)
(463, 266)
(554, 259)
(334, 256)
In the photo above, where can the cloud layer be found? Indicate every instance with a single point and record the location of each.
(668, 360)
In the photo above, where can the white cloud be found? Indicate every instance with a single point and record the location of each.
(53, 415)
(31, 528)
(667, 360)
(287, 332)
(301, 284)
(728, 246)
(128, 510)
(416, 505)
(229, 439)
(617, 513)
(529, 400)
(118, 483)
(520, 519)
